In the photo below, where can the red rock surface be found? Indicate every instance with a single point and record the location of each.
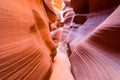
(27, 49)
(25, 42)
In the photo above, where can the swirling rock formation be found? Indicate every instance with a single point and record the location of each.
(95, 54)
(25, 42)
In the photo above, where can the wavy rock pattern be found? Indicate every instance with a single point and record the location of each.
(97, 56)
(25, 42)
(81, 31)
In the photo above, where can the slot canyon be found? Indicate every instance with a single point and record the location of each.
(59, 39)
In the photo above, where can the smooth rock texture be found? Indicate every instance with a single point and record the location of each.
(97, 56)
(90, 34)
(26, 47)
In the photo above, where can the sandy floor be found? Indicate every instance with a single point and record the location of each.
(62, 67)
